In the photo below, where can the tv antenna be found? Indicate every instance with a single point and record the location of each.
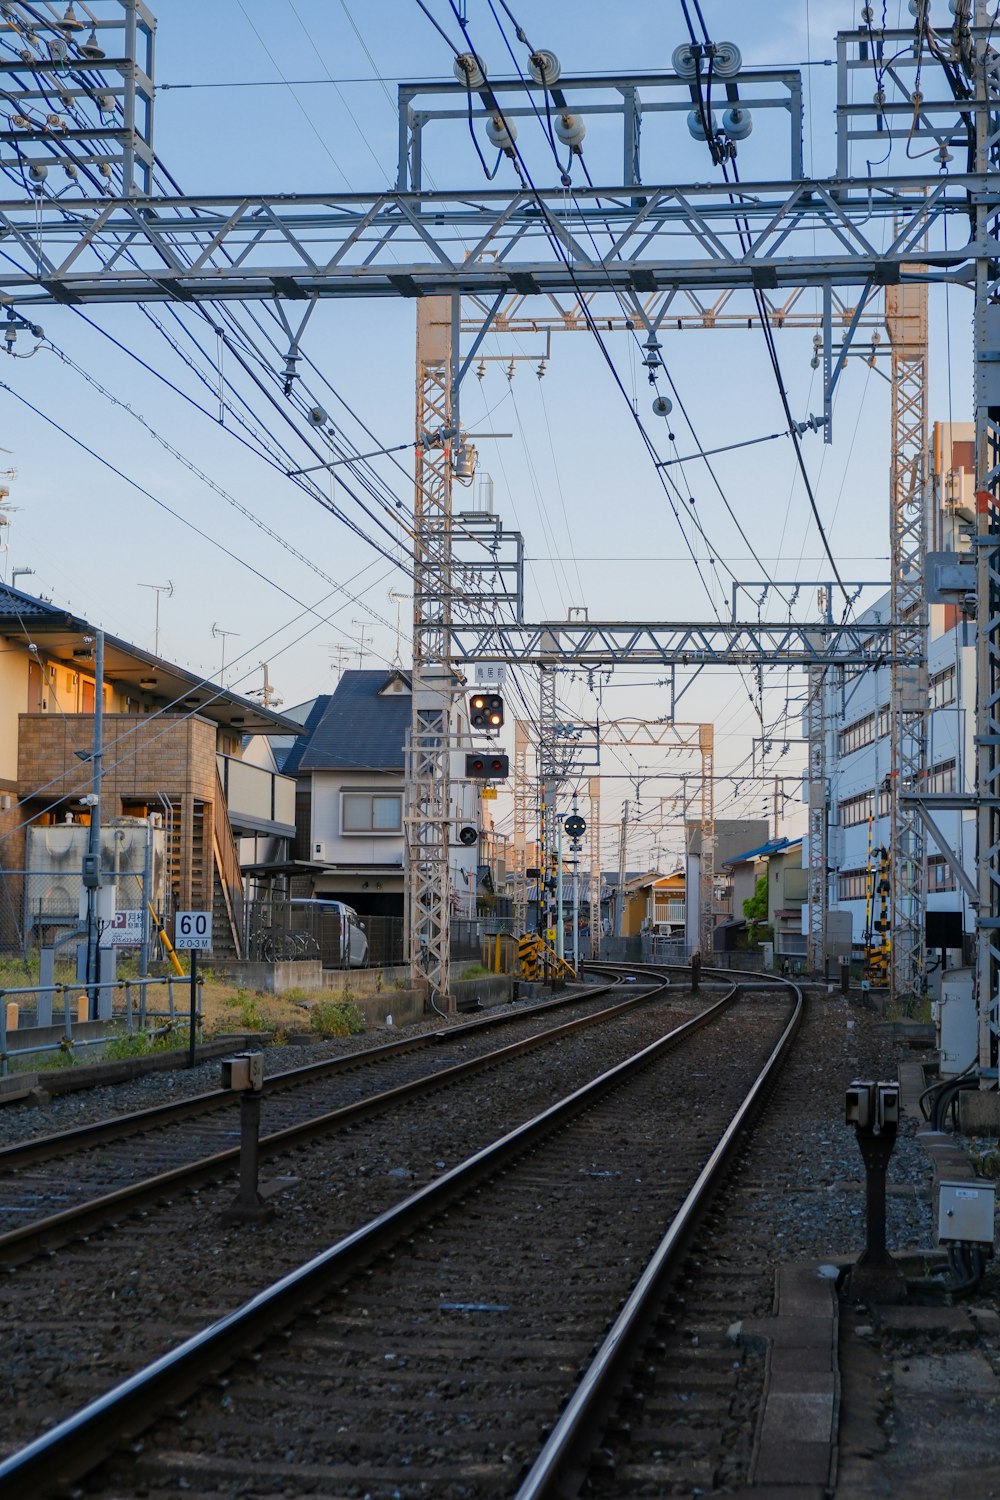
(158, 588)
(220, 635)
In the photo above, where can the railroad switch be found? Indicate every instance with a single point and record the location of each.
(244, 1074)
(873, 1110)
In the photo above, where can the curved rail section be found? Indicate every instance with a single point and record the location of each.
(78, 1444)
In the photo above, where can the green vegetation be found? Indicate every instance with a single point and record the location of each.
(335, 1018)
(755, 911)
(125, 1044)
(249, 1013)
(475, 971)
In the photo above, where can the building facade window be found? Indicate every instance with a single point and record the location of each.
(371, 812)
(852, 885)
(857, 735)
(940, 876)
(942, 688)
(941, 778)
(857, 809)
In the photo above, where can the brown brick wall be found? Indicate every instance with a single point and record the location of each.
(171, 753)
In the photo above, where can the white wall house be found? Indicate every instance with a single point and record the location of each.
(352, 762)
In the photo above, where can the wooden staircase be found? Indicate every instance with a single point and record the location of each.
(203, 870)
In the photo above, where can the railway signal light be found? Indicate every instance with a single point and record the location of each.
(486, 711)
(468, 836)
(487, 767)
(576, 827)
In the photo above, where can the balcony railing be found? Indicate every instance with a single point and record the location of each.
(259, 801)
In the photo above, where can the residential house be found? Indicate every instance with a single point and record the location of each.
(654, 903)
(349, 769)
(779, 862)
(172, 752)
(732, 835)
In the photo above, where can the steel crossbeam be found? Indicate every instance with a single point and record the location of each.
(820, 232)
(620, 643)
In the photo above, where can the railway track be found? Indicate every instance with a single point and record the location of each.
(57, 1185)
(427, 1350)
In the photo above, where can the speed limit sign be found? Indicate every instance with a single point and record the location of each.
(193, 929)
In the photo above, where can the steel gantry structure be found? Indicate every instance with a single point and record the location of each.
(695, 244)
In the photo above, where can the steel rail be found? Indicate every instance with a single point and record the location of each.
(84, 1217)
(78, 1444)
(42, 1148)
(555, 1472)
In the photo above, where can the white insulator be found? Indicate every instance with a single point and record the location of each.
(570, 129)
(38, 172)
(728, 60)
(684, 62)
(545, 67)
(737, 123)
(916, 6)
(468, 69)
(502, 133)
(662, 406)
(696, 125)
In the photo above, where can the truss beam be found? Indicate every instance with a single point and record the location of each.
(620, 643)
(543, 242)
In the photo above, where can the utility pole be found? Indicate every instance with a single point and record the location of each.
(622, 847)
(267, 695)
(92, 862)
(594, 793)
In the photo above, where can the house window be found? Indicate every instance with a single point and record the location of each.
(371, 812)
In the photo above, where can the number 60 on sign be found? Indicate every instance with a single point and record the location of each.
(193, 929)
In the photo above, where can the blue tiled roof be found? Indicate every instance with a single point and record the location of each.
(773, 846)
(355, 729)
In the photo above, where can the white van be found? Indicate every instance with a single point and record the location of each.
(343, 942)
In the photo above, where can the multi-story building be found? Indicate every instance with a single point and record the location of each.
(856, 707)
(173, 754)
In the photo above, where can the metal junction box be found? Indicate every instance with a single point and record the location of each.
(965, 1211)
(244, 1071)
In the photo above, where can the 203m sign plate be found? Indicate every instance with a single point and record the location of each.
(193, 929)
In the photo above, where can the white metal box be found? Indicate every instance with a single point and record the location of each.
(965, 1211)
(957, 1023)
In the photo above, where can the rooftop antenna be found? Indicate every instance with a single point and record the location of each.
(159, 588)
(220, 635)
(397, 599)
(341, 653)
(361, 625)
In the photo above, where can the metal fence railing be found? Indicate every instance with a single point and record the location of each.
(155, 1005)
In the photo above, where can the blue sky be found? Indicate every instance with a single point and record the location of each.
(574, 477)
